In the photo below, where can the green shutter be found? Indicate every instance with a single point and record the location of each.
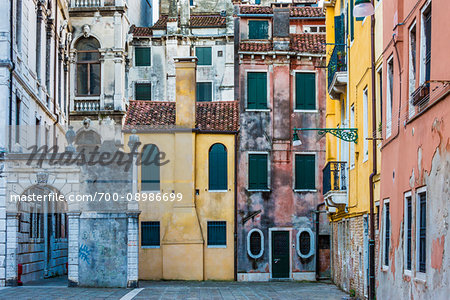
(256, 90)
(143, 91)
(258, 30)
(217, 233)
(142, 56)
(204, 91)
(305, 91)
(257, 171)
(305, 171)
(204, 56)
(218, 167)
(352, 21)
(150, 169)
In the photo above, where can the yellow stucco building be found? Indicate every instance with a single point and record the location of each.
(187, 223)
(349, 165)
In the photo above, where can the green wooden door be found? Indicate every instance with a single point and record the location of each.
(280, 254)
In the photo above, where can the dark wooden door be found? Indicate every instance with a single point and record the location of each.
(280, 254)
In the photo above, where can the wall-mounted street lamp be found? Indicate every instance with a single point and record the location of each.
(345, 134)
(363, 8)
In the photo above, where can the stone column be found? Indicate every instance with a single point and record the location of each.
(2, 221)
(12, 223)
(133, 250)
(74, 228)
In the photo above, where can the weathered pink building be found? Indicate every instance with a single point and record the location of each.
(414, 255)
(281, 85)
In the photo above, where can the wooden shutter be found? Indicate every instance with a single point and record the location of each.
(257, 174)
(204, 56)
(218, 167)
(305, 91)
(256, 90)
(305, 171)
(142, 56)
(143, 91)
(258, 30)
(204, 91)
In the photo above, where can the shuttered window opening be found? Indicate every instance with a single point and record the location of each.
(150, 233)
(150, 168)
(305, 172)
(387, 234)
(142, 56)
(204, 91)
(204, 56)
(218, 167)
(305, 91)
(257, 172)
(258, 30)
(422, 232)
(257, 90)
(217, 233)
(143, 91)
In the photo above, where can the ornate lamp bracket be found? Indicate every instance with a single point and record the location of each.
(345, 134)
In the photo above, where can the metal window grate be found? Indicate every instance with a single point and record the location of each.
(150, 233)
(217, 233)
(255, 243)
(305, 243)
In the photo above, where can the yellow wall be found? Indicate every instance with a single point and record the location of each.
(184, 253)
(359, 78)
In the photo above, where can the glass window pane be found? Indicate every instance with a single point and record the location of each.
(88, 56)
(87, 44)
(82, 79)
(95, 79)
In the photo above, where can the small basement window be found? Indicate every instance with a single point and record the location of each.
(305, 243)
(255, 243)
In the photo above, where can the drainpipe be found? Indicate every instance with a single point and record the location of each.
(374, 167)
(317, 239)
(235, 203)
(55, 81)
(11, 71)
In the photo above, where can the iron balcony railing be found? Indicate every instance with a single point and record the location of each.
(334, 176)
(337, 62)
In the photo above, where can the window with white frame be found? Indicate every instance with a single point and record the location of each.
(386, 232)
(255, 243)
(407, 216)
(421, 230)
(352, 145)
(412, 66)
(389, 96)
(366, 124)
(305, 243)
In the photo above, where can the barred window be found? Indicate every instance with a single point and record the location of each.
(255, 243)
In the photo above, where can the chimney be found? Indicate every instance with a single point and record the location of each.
(185, 12)
(172, 18)
(185, 70)
(281, 13)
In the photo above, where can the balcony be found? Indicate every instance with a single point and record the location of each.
(335, 185)
(95, 3)
(337, 72)
(86, 105)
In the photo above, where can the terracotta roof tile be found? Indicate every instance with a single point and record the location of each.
(309, 43)
(255, 47)
(305, 12)
(195, 21)
(142, 31)
(214, 116)
(255, 9)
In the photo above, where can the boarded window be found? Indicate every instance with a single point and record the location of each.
(150, 168)
(218, 167)
(150, 234)
(204, 56)
(258, 30)
(305, 91)
(256, 90)
(143, 91)
(257, 171)
(204, 91)
(217, 233)
(305, 171)
(142, 56)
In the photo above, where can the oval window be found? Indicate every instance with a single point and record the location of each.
(255, 243)
(305, 243)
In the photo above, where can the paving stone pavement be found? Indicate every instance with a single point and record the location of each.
(210, 290)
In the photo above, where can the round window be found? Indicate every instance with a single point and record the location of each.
(255, 243)
(305, 243)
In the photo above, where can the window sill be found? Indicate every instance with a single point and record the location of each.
(217, 191)
(217, 247)
(142, 66)
(305, 190)
(384, 268)
(407, 273)
(150, 247)
(420, 278)
(314, 111)
(258, 109)
(258, 190)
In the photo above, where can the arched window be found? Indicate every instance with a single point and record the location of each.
(88, 67)
(305, 243)
(218, 167)
(150, 168)
(255, 243)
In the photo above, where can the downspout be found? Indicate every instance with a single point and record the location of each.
(374, 167)
(55, 60)
(235, 203)
(317, 240)
(11, 71)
